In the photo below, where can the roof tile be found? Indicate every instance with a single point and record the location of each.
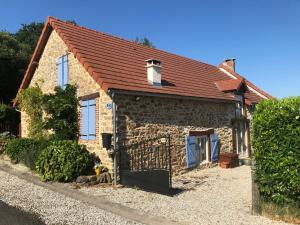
(116, 63)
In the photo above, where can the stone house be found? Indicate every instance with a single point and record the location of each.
(133, 92)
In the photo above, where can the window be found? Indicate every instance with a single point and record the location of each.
(62, 71)
(202, 148)
(239, 106)
(88, 120)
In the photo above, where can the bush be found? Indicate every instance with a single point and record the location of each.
(276, 141)
(61, 108)
(25, 150)
(64, 161)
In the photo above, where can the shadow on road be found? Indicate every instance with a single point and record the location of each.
(12, 216)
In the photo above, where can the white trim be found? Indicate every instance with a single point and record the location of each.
(250, 88)
(229, 74)
(256, 92)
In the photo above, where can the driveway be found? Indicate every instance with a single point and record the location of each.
(12, 216)
(211, 196)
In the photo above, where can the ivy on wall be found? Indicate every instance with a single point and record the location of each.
(56, 112)
(30, 101)
(61, 113)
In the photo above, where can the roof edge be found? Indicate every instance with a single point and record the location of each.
(250, 85)
(173, 96)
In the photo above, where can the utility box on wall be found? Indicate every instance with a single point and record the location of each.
(106, 140)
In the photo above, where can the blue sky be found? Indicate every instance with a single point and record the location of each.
(264, 36)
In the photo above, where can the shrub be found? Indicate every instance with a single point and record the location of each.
(61, 108)
(276, 141)
(64, 161)
(25, 150)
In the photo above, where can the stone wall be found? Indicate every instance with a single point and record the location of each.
(46, 76)
(152, 116)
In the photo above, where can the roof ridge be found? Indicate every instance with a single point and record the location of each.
(130, 41)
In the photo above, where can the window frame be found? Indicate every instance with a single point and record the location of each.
(62, 64)
(89, 136)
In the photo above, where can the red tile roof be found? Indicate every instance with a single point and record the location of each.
(115, 63)
(229, 85)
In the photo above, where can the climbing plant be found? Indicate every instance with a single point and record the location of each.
(62, 113)
(30, 101)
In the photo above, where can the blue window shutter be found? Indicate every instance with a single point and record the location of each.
(214, 147)
(92, 119)
(65, 71)
(60, 72)
(84, 120)
(191, 155)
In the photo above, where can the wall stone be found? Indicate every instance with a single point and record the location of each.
(152, 116)
(46, 76)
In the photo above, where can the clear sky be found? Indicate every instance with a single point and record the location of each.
(263, 35)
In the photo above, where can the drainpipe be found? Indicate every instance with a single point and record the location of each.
(115, 137)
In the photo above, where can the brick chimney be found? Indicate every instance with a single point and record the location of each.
(229, 64)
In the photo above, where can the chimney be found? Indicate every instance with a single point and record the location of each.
(230, 64)
(153, 72)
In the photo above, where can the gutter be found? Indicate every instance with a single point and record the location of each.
(149, 94)
(115, 148)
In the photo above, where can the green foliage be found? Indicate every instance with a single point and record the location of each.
(13, 62)
(29, 34)
(144, 41)
(276, 141)
(62, 113)
(64, 161)
(25, 150)
(7, 113)
(30, 101)
(15, 52)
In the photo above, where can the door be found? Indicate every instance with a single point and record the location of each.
(240, 138)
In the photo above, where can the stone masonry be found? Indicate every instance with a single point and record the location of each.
(151, 116)
(46, 77)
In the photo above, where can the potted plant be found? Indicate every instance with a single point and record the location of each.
(98, 168)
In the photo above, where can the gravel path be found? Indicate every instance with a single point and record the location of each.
(212, 196)
(52, 207)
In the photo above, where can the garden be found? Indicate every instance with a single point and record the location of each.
(276, 142)
(51, 148)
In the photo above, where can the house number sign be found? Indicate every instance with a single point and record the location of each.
(109, 105)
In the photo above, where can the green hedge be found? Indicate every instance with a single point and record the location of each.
(25, 150)
(64, 161)
(276, 142)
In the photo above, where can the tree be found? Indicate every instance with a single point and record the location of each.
(29, 34)
(144, 41)
(13, 61)
(15, 52)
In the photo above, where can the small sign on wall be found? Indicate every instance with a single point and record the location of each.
(108, 106)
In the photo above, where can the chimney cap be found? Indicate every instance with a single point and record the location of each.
(153, 62)
(229, 59)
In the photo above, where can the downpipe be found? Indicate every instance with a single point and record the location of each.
(115, 148)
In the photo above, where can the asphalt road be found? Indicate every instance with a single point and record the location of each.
(12, 216)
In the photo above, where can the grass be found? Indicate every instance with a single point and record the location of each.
(287, 213)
